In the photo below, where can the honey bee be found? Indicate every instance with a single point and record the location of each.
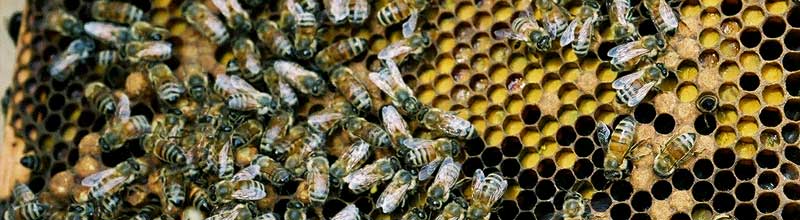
(305, 81)
(108, 33)
(427, 154)
(276, 41)
(455, 210)
(326, 119)
(351, 159)
(351, 88)
(575, 207)
(664, 18)
(281, 146)
(268, 169)
(166, 150)
(632, 88)
(123, 127)
(295, 210)
(618, 146)
(110, 181)
(446, 123)
(172, 192)
(678, 150)
(248, 59)
(28, 211)
(439, 190)
(63, 22)
(195, 80)
(106, 58)
(526, 29)
(621, 19)
(349, 212)
(367, 131)
(224, 164)
(239, 211)
(228, 190)
(359, 11)
(238, 19)
(63, 65)
(150, 51)
(99, 95)
(707, 103)
(394, 123)
(626, 56)
(36, 163)
(584, 23)
(340, 52)
(277, 86)
(317, 176)
(206, 22)
(305, 27)
(277, 127)
(241, 96)
(372, 174)
(151, 210)
(199, 197)
(390, 81)
(724, 217)
(486, 191)
(396, 11)
(110, 206)
(115, 11)
(246, 133)
(556, 18)
(394, 194)
(398, 51)
(309, 142)
(165, 83)
(415, 213)
(144, 31)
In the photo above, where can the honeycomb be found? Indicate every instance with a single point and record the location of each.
(535, 113)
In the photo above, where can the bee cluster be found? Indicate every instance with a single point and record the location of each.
(339, 109)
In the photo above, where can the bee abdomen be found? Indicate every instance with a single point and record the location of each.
(392, 13)
(175, 194)
(28, 211)
(170, 92)
(36, 163)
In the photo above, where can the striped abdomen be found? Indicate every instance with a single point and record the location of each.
(305, 35)
(169, 152)
(421, 156)
(621, 140)
(351, 88)
(393, 13)
(175, 194)
(119, 12)
(170, 91)
(277, 42)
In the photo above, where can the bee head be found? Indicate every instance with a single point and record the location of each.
(106, 141)
(662, 70)
(317, 87)
(542, 39)
(303, 54)
(28, 161)
(283, 177)
(74, 27)
(295, 204)
(434, 199)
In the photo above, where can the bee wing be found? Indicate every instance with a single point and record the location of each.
(619, 49)
(361, 176)
(394, 50)
(391, 196)
(323, 118)
(509, 34)
(394, 72)
(411, 24)
(358, 151)
(346, 211)
(429, 169)
(293, 7)
(603, 134)
(94, 179)
(448, 162)
(111, 184)
(222, 5)
(414, 143)
(569, 34)
(623, 9)
(639, 95)
(251, 193)
(667, 15)
(242, 85)
(393, 121)
(339, 9)
(247, 173)
(223, 157)
(123, 108)
(626, 80)
(382, 82)
(626, 55)
(477, 180)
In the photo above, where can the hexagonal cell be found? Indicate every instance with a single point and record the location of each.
(730, 26)
(709, 38)
(770, 50)
(705, 124)
(497, 94)
(495, 115)
(729, 70)
(746, 147)
(793, 17)
(664, 123)
(749, 104)
(620, 211)
(773, 95)
(687, 92)
(745, 191)
(750, 61)
(792, 40)
(565, 136)
(586, 104)
(768, 180)
(510, 167)
(752, 16)
(582, 168)
(770, 116)
(729, 48)
(515, 104)
(709, 58)
(723, 202)
(682, 179)
(499, 52)
(528, 179)
(530, 136)
(745, 211)
(790, 133)
(767, 202)
(745, 169)
(702, 191)
(749, 81)
(564, 179)
(493, 136)
(724, 180)
(548, 125)
(545, 189)
(567, 114)
(770, 139)
(791, 61)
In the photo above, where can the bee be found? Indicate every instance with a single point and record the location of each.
(678, 150)
(228, 190)
(486, 191)
(166, 150)
(28, 211)
(277, 86)
(206, 22)
(268, 169)
(238, 19)
(439, 190)
(305, 81)
(80, 211)
(326, 119)
(239, 211)
(276, 41)
(584, 23)
(279, 147)
(246, 133)
(351, 88)
(36, 163)
(359, 11)
(621, 19)
(390, 81)
(241, 96)
(173, 192)
(427, 154)
(396, 11)
(395, 193)
(198, 197)
(150, 51)
(248, 59)
(110, 181)
(144, 31)
(395, 124)
(526, 29)
(195, 80)
(367, 131)
(415, 213)
(317, 176)
(340, 52)
(63, 22)
(575, 207)
(352, 159)
(151, 210)
(221, 162)
(276, 128)
(115, 11)
(618, 146)
(309, 142)
(295, 210)
(110, 206)
(123, 127)
(168, 87)
(724, 217)
(707, 103)
(305, 27)
(108, 33)
(665, 19)
(632, 88)
(556, 18)
(372, 174)
(106, 58)
(447, 124)
(455, 210)
(63, 65)
(413, 45)
(626, 56)
(349, 212)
